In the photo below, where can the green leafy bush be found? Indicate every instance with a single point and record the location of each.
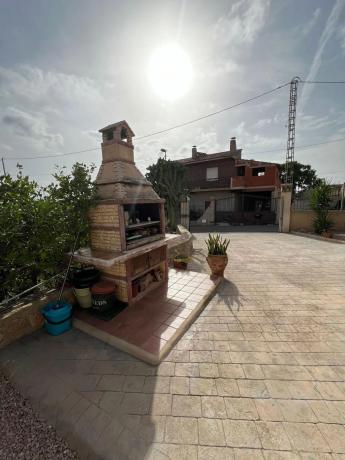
(216, 245)
(321, 198)
(39, 224)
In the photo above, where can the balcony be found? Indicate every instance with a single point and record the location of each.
(203, 184)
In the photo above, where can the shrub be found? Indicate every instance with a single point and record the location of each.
(320, 202)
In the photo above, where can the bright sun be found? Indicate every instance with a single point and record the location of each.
(170, 72)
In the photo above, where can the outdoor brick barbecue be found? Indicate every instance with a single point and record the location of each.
(127, 224)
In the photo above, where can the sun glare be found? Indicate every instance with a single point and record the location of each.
(170, 72)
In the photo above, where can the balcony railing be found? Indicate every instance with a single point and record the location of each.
(204, 184)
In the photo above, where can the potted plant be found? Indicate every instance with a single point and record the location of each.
(181, 262)
(217, 258)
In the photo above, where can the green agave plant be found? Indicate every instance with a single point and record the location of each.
(216, 245)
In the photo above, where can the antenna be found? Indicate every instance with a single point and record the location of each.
(290, 151)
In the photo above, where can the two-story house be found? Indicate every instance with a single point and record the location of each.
(226, 188)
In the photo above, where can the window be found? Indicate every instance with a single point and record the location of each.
(212, 174)
(258, 171)
(240, 170)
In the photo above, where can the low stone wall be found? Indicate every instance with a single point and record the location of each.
(180, 244)
(25, 317)
(302, 220)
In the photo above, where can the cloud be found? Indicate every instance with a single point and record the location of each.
(307, 28)
(34, 84)
(327, 33)
(342, 37)
(31, 126)
(242, 24)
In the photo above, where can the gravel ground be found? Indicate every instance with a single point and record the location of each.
(23, 435)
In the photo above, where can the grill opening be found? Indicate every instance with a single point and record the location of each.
(143, 224)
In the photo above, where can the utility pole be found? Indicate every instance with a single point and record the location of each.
(3, 166)
(290, 151)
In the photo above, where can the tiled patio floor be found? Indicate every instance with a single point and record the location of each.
(149, 329)
(259, 375)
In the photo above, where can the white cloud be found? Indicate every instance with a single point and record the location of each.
(307, 28)
(31, 126)
(342, 37)
(242, 24)
(326, 35)
(34, 84)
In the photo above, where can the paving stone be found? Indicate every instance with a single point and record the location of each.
(273, 436)
(111, 401)
(211, 432)
(269, 410)
(187, 370)
(227, 387)
(213, 407)
(134, 383)
(181, 430)
(111, 383)
(279, 455)
(241, 433)
(306, 437)
(136, 403)
(186, 406)
(208, 370)
(158, 384)
(253, 388)
(215, 453)
(335, 435)
(232, 371)
(327, 411)
(253, 371)
(178, 452)
(199, 386)
(248, 454)
(297, 411)
(241, 408)
(161, 404)
(179, 385)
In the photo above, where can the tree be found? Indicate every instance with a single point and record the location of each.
(304, 177)
(168, 179)
(38, 225)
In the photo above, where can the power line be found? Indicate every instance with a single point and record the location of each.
(163, 130)
(323, 82)
(301, 147)
(57, 155)
(214, 113)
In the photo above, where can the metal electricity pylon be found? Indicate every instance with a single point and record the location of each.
(290, 152)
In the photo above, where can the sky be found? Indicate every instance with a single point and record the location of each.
(69, 68)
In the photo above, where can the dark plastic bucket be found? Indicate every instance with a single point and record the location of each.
(85, 277)
(57, 317)
(103, 296)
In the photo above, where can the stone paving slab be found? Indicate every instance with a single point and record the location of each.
(259, 375)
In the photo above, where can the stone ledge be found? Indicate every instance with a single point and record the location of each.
(318, 237)
(25, 317)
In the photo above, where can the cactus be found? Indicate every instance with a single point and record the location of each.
(168, 180)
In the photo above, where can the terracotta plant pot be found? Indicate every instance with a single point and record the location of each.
(180, 265)
(217, 264)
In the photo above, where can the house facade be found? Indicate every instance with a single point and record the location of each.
(225, 188)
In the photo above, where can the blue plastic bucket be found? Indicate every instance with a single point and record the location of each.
(57, 317)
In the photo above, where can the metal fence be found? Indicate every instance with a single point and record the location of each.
(303, 201)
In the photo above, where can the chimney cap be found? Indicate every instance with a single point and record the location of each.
(233, 137)
(122, 124)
